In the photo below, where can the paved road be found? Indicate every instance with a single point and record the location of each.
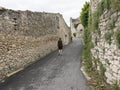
(52, 72)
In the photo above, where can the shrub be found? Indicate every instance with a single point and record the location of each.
(84, 15)
(87, 50)
(90, 21)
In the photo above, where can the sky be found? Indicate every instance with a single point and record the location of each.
(68, 8)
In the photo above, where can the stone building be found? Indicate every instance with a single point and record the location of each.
(76, 27)
(27, 36)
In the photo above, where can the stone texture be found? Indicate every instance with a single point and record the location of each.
(78, 29)
(27, 36)
(112, 53)
(94, 4)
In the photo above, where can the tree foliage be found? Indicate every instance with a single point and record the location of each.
(84, 15)
(87, 43)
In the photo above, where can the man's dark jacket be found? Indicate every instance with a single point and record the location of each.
(60, 45)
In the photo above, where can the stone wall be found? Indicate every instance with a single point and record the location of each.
(64, 31)
(93, 4)
(76, 27)
(27, 36)
(27, 23)
(109, 54)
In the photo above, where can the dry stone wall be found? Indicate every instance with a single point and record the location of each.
(109, 54)
(27, 36)
(27, 23)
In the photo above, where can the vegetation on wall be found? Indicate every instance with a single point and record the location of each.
(95, 20)
(96, 40)
(101, 7)
(117, 37)
(108, 36)
(87, 44)
(102, 69)
(112, 23)
(114, 5)
(87, 55)
(90, 22)
(115, 85)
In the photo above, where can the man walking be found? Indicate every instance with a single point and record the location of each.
(60, 46)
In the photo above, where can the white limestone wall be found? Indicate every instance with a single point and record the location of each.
(109, 54)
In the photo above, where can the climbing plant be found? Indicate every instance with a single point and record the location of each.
(117, 37)
(87, 55)
(115, 85)
(91, 23)
(95, 20)
(85, 18)
(115, 5)
(102, 69)
(112, 24)
(108, 36)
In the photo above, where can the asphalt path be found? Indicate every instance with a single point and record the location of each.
(52, 72)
